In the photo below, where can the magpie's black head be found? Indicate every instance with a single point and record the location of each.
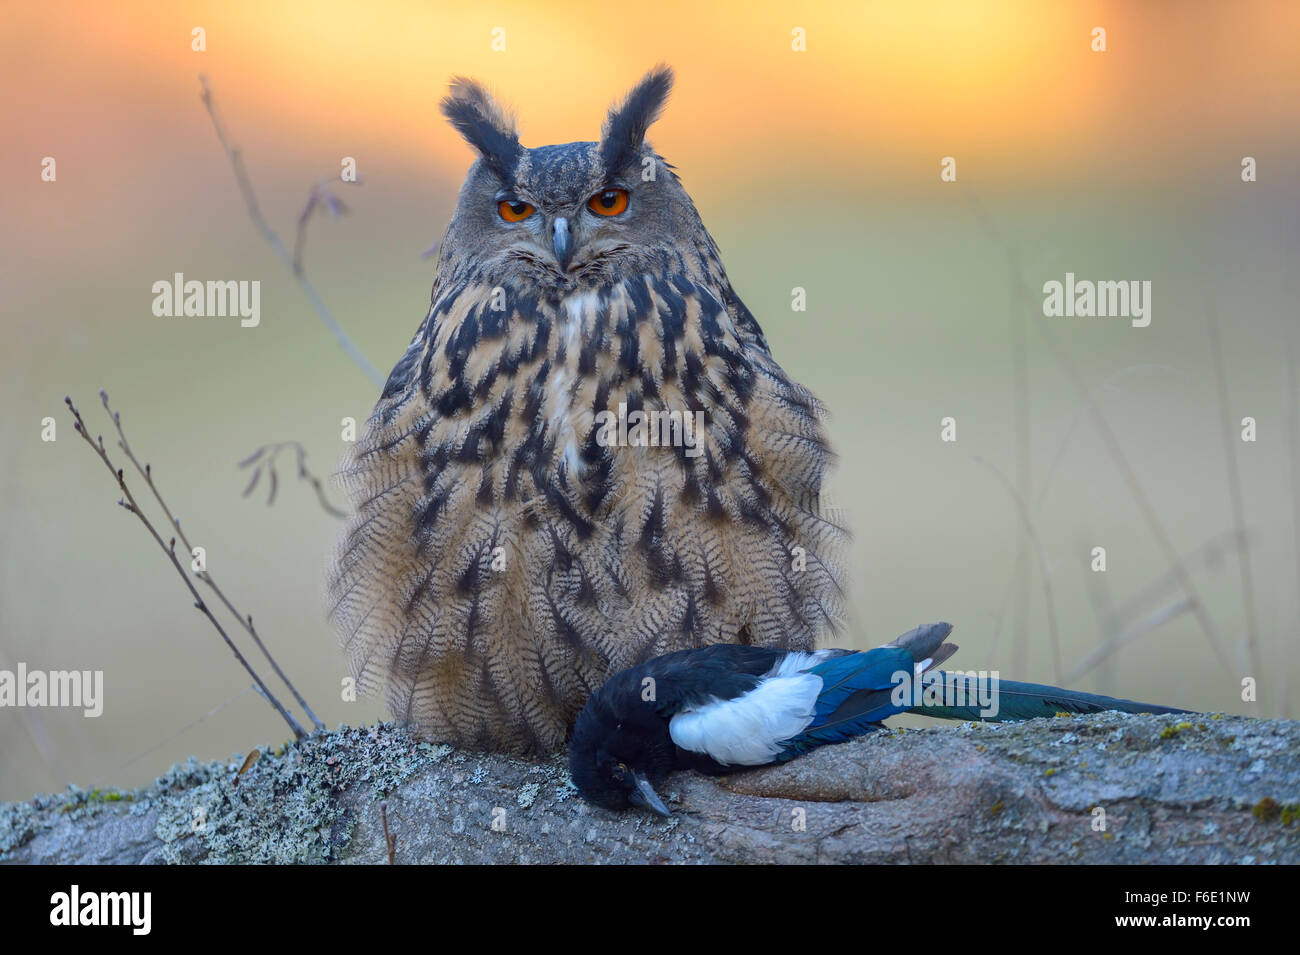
(621, 748)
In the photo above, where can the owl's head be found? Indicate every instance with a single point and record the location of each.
(572, 214)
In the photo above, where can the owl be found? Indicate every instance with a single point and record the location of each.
(587, 455)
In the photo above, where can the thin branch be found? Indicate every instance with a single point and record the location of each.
(277, 245)
(1140, 629)
(1031, 534)
(1023, 489)
(1293, 445)
(129, 502)
(1103, 609)
(1001, 616)
(1209, 556)
(1046, 484)
(1148, 512)
(31, 721)
(246, 620)
(1119, 458)
(390, 839)
(1068, 435)
(104, 777)
(1238, 507)
(263, 460)
(320, 196)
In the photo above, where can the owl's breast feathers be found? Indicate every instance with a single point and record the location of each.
(512, 546)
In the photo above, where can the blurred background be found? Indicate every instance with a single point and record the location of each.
(816, 169)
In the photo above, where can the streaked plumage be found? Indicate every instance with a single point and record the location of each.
(501, 562)
(725, 708)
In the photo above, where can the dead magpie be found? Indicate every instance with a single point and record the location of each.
(725, 707)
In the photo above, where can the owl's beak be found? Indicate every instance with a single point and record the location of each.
(562, 243)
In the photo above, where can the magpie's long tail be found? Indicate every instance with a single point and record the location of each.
(1013, 701)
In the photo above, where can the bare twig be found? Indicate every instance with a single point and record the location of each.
(263, 460)
(1118, 457)
(129, 502)
(320, 196)
(245, 620)
(1045, 484)
(1293, 444)
(176, 735)
(1209, 555)
(1238, 508)
(1001, 616)
(277, 245)
(1032, 534)
(1068, 435)
(390, 839)
(1023, 489)
(1103, 609)
(30, 719)
(1140, 629)
(1199, 610)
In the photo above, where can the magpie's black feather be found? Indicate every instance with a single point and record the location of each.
(723, 708)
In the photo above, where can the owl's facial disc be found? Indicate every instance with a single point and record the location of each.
(568, 233)
(562, 206)
(568, 214)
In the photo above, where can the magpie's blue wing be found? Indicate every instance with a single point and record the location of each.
(856, 696)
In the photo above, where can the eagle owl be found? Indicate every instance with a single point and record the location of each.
(519, 532)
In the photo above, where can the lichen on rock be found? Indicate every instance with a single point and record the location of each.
(1163, 790)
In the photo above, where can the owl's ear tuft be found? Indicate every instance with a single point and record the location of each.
(485, 124)
(626, 126)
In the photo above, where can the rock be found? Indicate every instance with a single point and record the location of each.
(1105, 788)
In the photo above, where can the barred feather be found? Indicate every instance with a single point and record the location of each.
(501, 562)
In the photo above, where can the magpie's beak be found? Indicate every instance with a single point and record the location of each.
(562, 243)
(644, 795)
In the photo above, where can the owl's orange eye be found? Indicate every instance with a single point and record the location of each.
(514, 210)
(608, 203)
